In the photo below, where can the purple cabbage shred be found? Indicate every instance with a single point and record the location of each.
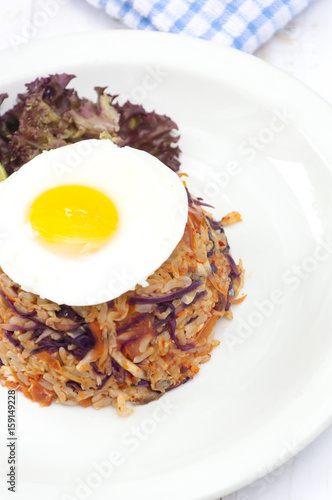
(213, 249)
(200, 202)
(15, 342)
(216, 225)
(100, 374)
(172, 328)
(143, 383)
(95, 370)
(84, 341)
(214, 268)
(69, 313)
(13, 308)
(230, 287)
(75, 386)
(166, 298)
(118, 372)
(105, 379)
(38, 331)
(131, 323)
(81, 338)
(236, 273)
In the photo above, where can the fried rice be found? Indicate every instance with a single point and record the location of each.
(134, 348)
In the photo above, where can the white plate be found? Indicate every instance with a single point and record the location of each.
(265, 394)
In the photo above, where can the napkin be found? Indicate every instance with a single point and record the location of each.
(243, 24)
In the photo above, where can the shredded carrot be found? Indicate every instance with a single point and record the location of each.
(208, 326)
(86, 402)
(189, 236)
(197, 218)
(36, 392)
(238, 300)
(183, 182)
(52, 362)
(194, 369)
(231, 218)
(98, 335)
(10, 385)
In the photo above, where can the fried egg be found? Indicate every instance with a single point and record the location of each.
(85, 223)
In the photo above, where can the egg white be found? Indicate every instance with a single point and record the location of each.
(152, 206)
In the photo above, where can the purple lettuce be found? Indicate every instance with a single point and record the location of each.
(49, 115)
(149, 132)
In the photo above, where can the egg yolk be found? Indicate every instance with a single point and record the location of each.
(73, 219)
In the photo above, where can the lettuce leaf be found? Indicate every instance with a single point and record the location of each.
(49, 115)
(150, 132)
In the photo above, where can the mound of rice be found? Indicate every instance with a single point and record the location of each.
(134, 348)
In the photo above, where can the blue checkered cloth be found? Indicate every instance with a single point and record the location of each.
(243, 24)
